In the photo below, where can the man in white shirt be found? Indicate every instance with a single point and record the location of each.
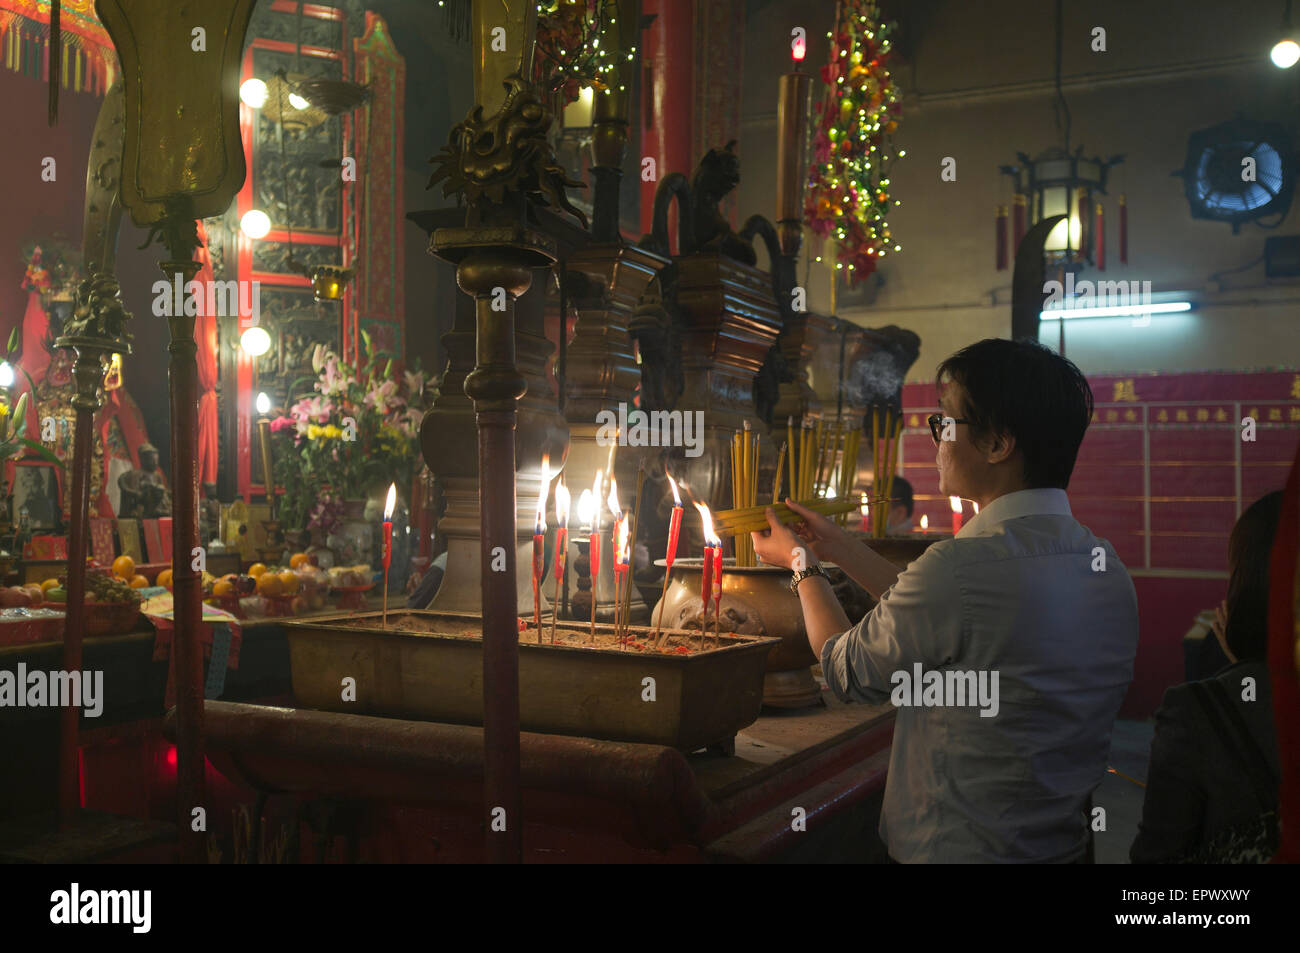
(1008, 648)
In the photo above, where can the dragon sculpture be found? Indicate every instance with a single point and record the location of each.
(507, 154)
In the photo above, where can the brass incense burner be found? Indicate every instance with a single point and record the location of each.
(428, 666)
(757, 601)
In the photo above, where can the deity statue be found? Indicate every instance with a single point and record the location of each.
(144, 495)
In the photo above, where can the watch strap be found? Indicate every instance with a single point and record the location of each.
(800, 575)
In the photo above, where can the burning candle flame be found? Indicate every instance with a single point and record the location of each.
(976, 507)
(677, 498)
(925, 522)
(955, 503)
(392, 501)
(710, 537)
(561, 504)
(539, 526)
(622, 544)
(613, 498)
(866, 509)
(586, 508)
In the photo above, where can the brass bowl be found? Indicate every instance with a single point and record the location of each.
(756, 600)
(901, 550)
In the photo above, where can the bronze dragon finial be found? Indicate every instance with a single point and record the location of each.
(490, 158)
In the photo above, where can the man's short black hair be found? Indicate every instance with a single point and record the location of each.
(1030, 392)
(902, 493)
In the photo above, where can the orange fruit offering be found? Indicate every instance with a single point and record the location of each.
(164, 578)
(289, 582)
(256, 570)
(49, 584)
(138, 581)
(269, 584)
(297, 560)
(123, 567)
(223, 588)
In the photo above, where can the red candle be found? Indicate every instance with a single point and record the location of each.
(539, 544)
(539, 559)
(561, 547)
(388, 527)
(617, 541)
(706, 582)
(674, 525)
(388, 546)
(712, 554)
(717, 578)
(594, 539)
(955, 503)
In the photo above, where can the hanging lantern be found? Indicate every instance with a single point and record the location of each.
(1060, 183)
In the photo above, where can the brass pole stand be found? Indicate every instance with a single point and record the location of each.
(187, 657)
(489, 258)
(93, 355)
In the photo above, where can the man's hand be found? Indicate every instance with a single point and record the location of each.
(827, 539)
(776, 545)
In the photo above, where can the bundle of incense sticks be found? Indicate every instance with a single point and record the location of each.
(848, 472)
(753, 519)
(886, 423)
(744, 486)
(822, 460)
(623, 608)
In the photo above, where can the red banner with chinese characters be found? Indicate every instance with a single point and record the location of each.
(1164, 470)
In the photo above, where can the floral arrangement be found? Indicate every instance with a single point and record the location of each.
(355, 431)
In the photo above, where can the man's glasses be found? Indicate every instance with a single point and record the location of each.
(936, 424)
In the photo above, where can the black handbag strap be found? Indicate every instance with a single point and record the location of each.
(1222, 713)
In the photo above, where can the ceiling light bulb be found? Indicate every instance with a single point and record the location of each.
(1285, 54)
(297, 102)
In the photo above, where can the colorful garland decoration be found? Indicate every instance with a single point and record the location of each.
(848, 195)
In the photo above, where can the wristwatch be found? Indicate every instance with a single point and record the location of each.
(802, 574)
